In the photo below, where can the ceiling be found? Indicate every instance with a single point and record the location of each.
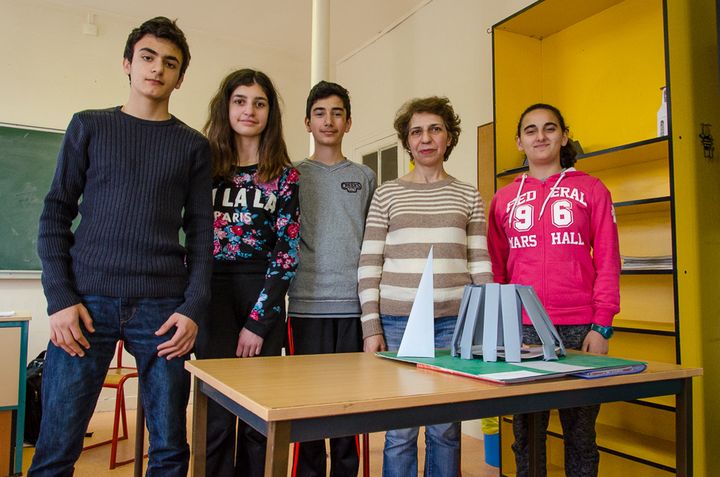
(284, 25)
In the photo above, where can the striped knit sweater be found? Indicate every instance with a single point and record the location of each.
(404, 221)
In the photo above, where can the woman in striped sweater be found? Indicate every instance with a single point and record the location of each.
(425, 208)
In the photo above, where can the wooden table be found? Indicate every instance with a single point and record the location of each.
(300, 398)
(13, 365)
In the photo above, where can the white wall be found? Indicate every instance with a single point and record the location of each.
(443, 49)
(50, 70)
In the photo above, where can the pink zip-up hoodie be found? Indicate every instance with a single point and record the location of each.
(559, 236)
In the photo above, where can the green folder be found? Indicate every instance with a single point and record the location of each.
(575, 363)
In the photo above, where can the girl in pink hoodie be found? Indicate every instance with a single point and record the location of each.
(554, 228)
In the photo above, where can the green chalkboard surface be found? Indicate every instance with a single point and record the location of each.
(27, 164)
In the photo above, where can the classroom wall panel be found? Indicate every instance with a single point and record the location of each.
(443, 49)
(51, 69)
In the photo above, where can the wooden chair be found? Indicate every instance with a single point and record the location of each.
(116, 378)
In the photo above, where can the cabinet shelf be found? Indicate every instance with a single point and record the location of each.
(642, 151)
(647, 271)
(641, 206)
(649, 450)
(656, 403)
(653, 149)
(642, 448)
(552, 471)
(645, 327)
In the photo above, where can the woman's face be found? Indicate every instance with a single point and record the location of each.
(541, 137)
(248, 110)
(428, 139)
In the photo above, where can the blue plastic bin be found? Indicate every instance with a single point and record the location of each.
(492, 449)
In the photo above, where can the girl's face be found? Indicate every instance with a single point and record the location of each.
(541, 137)
(428, 139)
(248, 110)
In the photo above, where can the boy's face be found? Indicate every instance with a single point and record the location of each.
(328, 121)
(155, 68)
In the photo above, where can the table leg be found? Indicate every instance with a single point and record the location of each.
(199, 434)
(20, 413)
(278, 445)
(139, 437)
(683, 431)
(534, 443)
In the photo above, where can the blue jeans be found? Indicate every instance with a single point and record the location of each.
(71, 386)
(442, 441)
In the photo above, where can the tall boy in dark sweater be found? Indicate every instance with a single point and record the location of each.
(136, 175)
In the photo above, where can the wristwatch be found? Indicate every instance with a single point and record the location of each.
(605, 331)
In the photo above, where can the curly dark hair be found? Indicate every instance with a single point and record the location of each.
(439, 105)
(160, 27)
(568, 154)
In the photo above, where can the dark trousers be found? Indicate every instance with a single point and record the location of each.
(234, 449)
(581, 453)
(323, 336)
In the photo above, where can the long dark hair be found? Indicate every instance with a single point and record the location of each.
(568, 154)
(273, 151)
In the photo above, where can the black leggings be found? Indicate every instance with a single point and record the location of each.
(581, 453)
(233, 297)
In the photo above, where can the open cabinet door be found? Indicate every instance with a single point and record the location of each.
(486, 162)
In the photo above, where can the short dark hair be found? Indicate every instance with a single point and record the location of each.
(433, 105)
(160, 27)
(325, 89)
(568, 153)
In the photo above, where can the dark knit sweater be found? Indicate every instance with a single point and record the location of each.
(135, 183)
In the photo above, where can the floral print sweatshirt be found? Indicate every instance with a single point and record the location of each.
(256, 230)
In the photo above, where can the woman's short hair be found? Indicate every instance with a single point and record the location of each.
(439, 105)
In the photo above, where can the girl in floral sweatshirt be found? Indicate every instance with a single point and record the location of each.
(554, 229)
(256, 237)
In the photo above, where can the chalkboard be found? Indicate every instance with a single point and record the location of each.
(27, 160)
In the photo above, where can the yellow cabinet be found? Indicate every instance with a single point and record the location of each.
(604, 63)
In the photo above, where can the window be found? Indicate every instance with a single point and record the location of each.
(384, 162)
